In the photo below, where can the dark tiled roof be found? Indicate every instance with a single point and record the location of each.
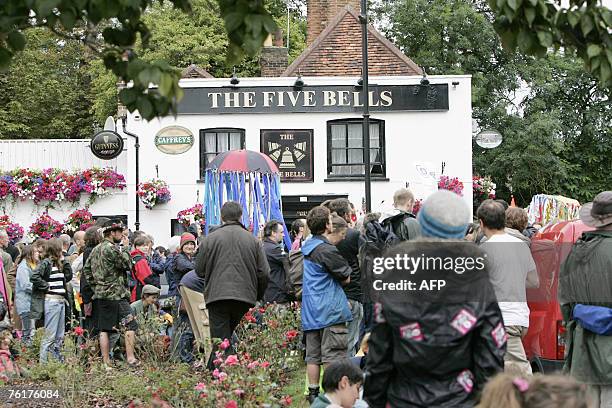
(337, 52)
(193, 71)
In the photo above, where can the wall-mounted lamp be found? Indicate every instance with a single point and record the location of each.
(424, 80)
(299, 83)
(455, 83)
(234, 80)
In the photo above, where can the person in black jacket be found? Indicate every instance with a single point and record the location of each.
(234, 266)
(434, 345)
(277, 259)
(349, 249)
(185, 260)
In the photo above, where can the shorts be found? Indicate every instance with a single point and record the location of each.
(326, 345)
(110, 315)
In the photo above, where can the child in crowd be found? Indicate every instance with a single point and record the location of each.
(8, 366)
(341, 382)
(542, 391)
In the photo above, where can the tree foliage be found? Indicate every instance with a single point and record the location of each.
(537, 25)
(44, 92)
(554, 116)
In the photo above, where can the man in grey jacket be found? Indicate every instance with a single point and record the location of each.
(402, 220)
(234, 266)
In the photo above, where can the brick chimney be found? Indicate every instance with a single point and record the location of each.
(274, 57)
(320, 12)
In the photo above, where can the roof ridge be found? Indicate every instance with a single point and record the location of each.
(291, 69)
(195, 68)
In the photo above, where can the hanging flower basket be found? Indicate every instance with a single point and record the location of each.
(14, 230)
(46, 227)
(451, 184)
(184, 217)
(153, 192)
(79, 220)
(483, 188)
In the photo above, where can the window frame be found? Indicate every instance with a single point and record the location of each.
(217, 130)
(382, 147)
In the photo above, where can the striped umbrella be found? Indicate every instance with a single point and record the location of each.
(243, 161)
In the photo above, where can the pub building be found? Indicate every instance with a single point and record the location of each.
(307, 117)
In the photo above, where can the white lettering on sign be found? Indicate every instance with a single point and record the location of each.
(272, 99)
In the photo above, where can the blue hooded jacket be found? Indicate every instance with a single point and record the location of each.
(324, 303)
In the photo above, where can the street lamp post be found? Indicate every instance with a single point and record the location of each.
(363, 19)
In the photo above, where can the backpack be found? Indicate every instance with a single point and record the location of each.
(294, 273)
(373, 244)
(132, 281)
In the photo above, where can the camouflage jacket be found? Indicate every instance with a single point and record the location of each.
(105, 271)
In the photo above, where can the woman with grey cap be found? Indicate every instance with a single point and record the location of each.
(436, 345)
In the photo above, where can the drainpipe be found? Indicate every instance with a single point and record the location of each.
(137, 146)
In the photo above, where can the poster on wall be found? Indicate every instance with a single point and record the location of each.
(292, 152)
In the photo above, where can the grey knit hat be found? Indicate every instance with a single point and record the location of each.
(444, 215)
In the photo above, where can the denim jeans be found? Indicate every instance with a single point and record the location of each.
(27, 328)
(55, 324)
(353, 327)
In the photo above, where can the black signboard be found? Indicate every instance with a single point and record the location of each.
(106, 145)
(339, 98)
(292, 152)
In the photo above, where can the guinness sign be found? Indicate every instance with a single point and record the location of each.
(291, 150)
(106, 145)
(174, 140)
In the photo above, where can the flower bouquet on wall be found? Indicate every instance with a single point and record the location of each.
(451, 184)
(484, 188)
(14, 230)
(153, 192)
(195, 214)
(45, 227)
(79, 220)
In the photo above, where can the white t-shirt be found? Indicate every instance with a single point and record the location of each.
(510, 261)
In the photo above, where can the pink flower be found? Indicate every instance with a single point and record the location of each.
(222, 376)
(252, 365)
(83, 346)
(224, 344)
(286, 400)
(239, 393)
(216, 373)
(217, 361)
(200, 387)
(231, 404)
(79, 331)
(231, 360)
(291, 334)
(265, 364)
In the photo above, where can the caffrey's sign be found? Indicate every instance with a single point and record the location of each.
(106, 145)
(174, 140)
(345, 98)
(291, 150)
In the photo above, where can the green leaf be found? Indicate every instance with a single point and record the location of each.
(593, 50)
(500, 3)
(128, 96)
(530, 14)
(508, 38)
(269, 24)
(513, 4)
(525, 41)
(604, 71)
(16, 40)
(573, 18)
(533, 2)
(149, 76)
(233, 21)
(545, 38)
(166, 84)
(145, 107)
(586, 23)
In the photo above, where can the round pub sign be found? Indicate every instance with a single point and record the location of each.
(174, 140)
(106, 145)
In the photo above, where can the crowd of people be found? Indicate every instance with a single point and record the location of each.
(457, 345)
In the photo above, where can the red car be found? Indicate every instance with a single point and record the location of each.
(545, 340)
